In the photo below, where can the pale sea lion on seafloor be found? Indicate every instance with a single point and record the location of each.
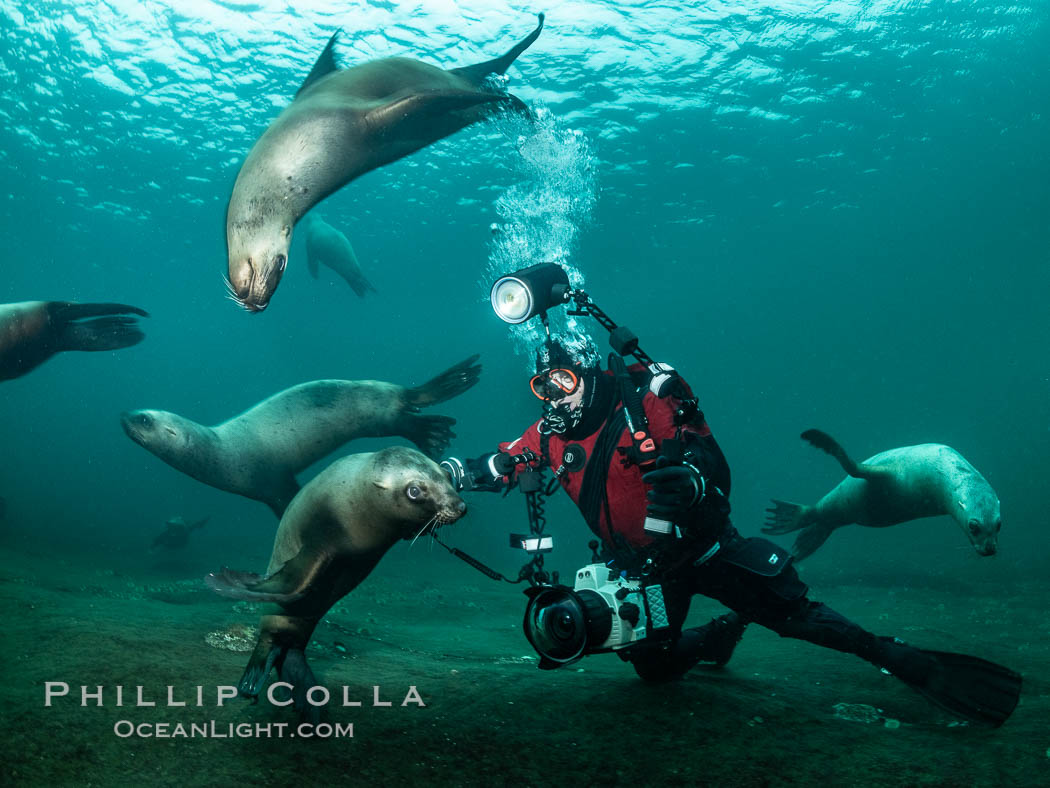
(890, 488)
(258, 453)
(342, 124)
(31, 332)
(326, 246)
(333, 535)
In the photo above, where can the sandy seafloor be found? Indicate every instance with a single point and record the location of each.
(492, 718)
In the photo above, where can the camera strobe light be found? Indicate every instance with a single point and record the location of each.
(531, 291)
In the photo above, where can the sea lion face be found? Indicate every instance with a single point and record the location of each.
(981, 521)
(417, 491)
(157, 431)
(258, 255)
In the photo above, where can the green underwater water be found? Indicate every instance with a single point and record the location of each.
(826, 215)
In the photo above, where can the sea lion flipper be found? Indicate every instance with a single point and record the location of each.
(783, 518)
(450, 383)
(811, 537)
(288, 584)
(432, 434)
(478, 72)
(826, 443)
(413, 116)
(325, 64)
(114, 325)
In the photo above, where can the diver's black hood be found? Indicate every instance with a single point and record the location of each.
(599, 397)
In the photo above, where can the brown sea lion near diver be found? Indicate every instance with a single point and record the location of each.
(326, 246)
(176, 534)
(890, 488)
(31, 332)
(258, 453)
(334, 533)
(342, 124)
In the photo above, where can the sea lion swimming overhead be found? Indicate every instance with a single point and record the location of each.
(342, 124)
(326, 246)
(258, 453)
(332, 536)
(890, 488)
(33, 331)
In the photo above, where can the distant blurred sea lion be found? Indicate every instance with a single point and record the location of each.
(258, 453)
(176, 534)
(332, 536)
(33, 331)
(341, 124)
(326, 246)
(890, 488)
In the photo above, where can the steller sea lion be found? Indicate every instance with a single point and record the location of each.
(342, 124)
(334, 533)
(890, 488)
(33, 331)
(258, 453)
(325, 245)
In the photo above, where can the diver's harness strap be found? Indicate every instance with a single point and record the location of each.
(644, 451)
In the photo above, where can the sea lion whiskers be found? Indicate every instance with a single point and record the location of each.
(232, 294)
(426, 525)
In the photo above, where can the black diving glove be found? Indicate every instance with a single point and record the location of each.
(677, 490)
(457, 473)
(484, 473)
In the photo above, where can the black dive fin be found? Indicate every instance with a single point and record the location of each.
(416, 115)
(477, 73)
(450, 383)
(324, 65)
(288, 584)
(972, 687)
(968, 687)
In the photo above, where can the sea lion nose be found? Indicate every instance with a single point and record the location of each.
(460, 507)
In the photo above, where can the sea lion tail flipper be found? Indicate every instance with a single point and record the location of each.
(325, 64)
(450, 383)
(784, 517)
(478, 72)
(432, 434)
(810, 538)
(826, 443)
(360, 285)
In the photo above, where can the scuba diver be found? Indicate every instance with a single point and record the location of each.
(653, 485)
(176, 534)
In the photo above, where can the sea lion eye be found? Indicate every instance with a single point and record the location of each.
(975, 527)
(282, 261)
(414, 492)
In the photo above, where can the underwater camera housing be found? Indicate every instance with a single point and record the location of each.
(602, 612)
